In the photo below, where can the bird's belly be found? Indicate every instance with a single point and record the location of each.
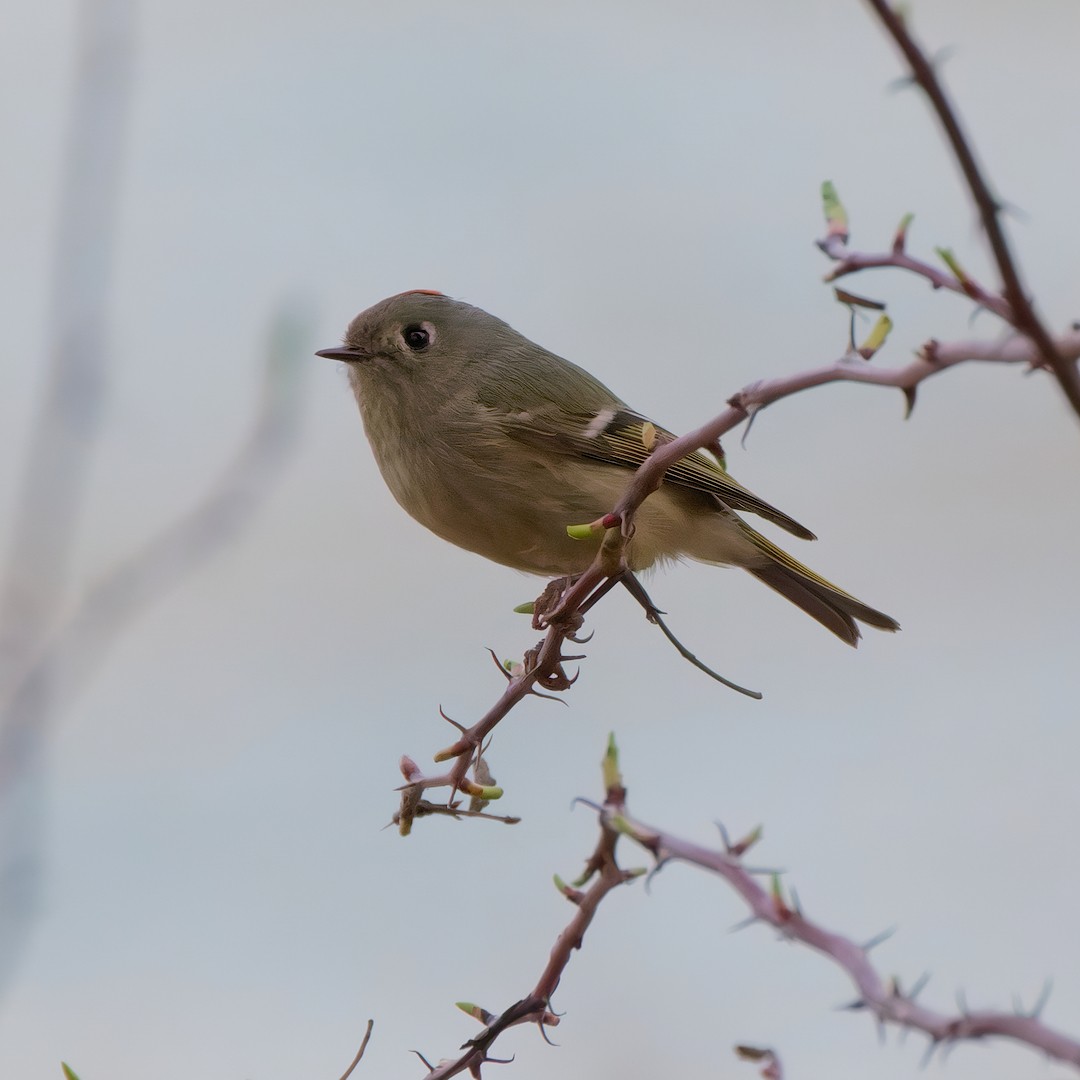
(519, 517)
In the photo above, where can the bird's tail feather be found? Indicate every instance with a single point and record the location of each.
(820, 599)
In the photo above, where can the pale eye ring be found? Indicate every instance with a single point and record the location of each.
(418, 336)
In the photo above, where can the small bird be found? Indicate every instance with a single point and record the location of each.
(497, 445)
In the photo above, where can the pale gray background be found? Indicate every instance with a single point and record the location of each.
(636, 187)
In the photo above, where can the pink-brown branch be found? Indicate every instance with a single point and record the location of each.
(851, 262)
(883, 997)
(1024, 317)
(543, 664)
(606, 875)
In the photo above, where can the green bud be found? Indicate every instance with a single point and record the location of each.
(610, 765)
(900, 236)
(836, 218)
(580, 532)
(949, 259)
(876, 337)
(475, 1011)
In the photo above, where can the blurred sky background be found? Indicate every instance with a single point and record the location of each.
(635, 186)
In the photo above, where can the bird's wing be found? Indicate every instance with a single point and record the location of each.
(619, 436)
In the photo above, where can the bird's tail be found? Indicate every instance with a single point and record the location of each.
(820, 599)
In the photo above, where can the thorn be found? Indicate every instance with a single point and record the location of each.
(877, 939)
(796, 906)
(660, 864)
(431, 1068)
(942, 57)
(909, 401)
(502, 671)
(1010, 209)
(454, 723)
(582, 801)
(919, 986)
(1043, 998)
(723, 835)
(904, 82)
(742, 925)
(751, 416)
(852, 1006)
(961, 1002)
(934, 1043)
(533, 692)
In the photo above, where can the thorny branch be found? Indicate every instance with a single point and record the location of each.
(535, 1008)
(883, 997)
(561, 609)
(1024, 317)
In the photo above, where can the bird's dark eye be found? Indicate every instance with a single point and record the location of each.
(418, 336)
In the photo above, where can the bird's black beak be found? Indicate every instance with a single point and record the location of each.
(342, 352)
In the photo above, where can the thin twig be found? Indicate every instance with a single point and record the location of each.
(852, 262)
(655, 615)
(535, 1007)
(359, 1053)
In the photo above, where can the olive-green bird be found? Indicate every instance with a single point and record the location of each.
(497, 445)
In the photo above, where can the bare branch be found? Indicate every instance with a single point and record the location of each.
(560, 610)
(67, 659)
(1024, 317)
(851, 262)
(535, 1007)
(48, 509)
(64, 661)
(882, 997)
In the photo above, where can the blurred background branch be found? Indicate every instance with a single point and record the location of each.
(50, 642)
(49, 506)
